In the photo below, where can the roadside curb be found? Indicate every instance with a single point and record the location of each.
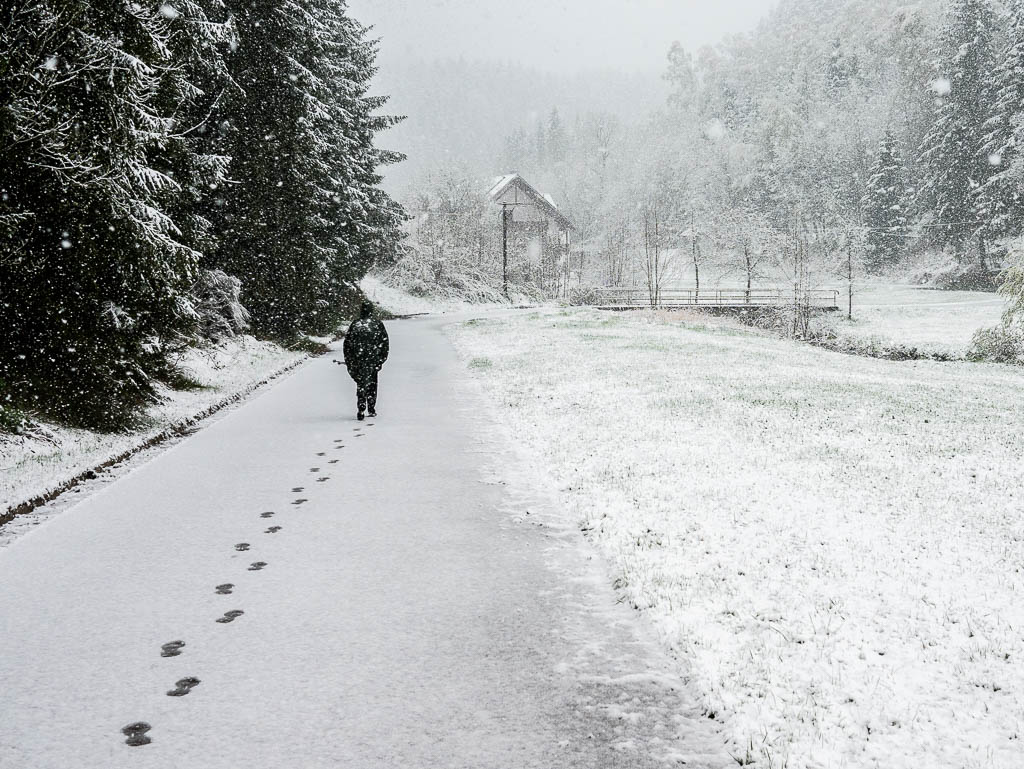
(174, 430)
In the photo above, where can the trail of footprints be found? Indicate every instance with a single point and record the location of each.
(137, 732)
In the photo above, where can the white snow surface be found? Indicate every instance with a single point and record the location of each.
(33, 464)
(400, 302)
(933, 321)
(832, 545)
(422, 605)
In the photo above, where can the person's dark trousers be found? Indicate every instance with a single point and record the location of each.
(366, 392)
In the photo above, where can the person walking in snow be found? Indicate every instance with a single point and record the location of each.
(366, 349)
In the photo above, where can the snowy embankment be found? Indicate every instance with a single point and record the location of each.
(399, 302)
(42, 463)
(832, 545)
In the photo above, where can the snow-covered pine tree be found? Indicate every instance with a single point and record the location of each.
(952, 153)
(558, 141)
(197, 32)
(884, 208)
(270, 220)
(1001, 199)
(365, 221)
(302, 216)
(94, 273)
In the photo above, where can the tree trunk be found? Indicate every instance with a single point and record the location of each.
(696, 267)
(849, 276)
(746, 256)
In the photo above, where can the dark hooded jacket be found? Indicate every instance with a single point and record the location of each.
(366, 344)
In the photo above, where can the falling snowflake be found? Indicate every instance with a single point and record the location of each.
(995, 159)
(715, 129)
(50, 63)
(168, 11)
(942, 86)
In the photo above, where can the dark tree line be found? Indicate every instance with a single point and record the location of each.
(150, 151)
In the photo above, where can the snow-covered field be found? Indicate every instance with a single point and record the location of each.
(933, 321)
(833, 545)
(33, 465)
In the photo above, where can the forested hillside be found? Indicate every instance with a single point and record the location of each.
(842, 138)
(171, 173)
(458, 113)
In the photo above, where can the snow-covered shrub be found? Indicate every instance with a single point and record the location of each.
(876, 347)
(416, 274)
(1012, 286)
(1002, 344)
(12, 420)
(963, 277)
(584, 295)
(218, 303)
(944, 271)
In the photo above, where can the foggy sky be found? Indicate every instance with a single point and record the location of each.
(563, 36)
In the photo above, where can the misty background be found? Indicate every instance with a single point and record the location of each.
(467, 74)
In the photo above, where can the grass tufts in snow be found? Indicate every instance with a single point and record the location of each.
(832, 545)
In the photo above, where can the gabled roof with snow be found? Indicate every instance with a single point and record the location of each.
(544, 202)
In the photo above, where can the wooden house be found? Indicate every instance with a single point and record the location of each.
(533, 229)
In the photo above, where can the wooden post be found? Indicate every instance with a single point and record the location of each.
(504, 249)
(746, 257)
(849, 275)
(568, 265)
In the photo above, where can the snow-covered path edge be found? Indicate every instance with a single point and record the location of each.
(537, 502)
(176, 429)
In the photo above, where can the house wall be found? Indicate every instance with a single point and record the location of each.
(526, 209)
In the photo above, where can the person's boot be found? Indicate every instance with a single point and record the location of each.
(372, 410)
(361, 416)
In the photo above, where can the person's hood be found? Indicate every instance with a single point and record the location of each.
(366, 310)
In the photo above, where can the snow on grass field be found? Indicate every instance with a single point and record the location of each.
(832, 545)
(933, 321)
(33, 465)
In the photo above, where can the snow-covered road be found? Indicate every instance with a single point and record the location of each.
(421, 604)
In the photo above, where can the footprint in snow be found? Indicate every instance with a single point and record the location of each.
(320, 454)
(242, 547)
(266, 515)
(273, 530)
(185, 685)
(172, 648)
(314, 469)
(325, 478)
(298, 490)
(257, 565)
(229, 616)
(333, 462)
(299, 501)
(225, 589)
(136, 734)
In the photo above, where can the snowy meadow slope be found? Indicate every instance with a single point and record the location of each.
(832, 545)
